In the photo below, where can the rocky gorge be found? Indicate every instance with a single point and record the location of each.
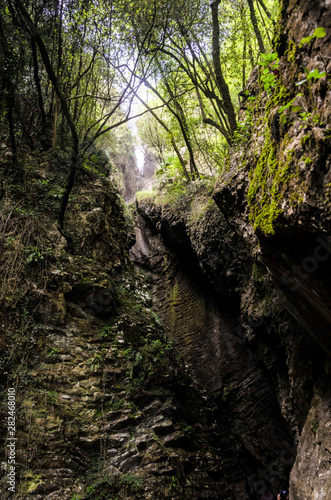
(246, 279)
(180, 347)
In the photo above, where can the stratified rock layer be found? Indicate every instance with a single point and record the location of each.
(104, 405)
(263, 266)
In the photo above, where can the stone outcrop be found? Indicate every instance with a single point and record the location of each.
(199, 265)
(286, 172)
(125, 171)
(150, 165)
(262, 265)
(258, 366)
(286, 182)
(104, 404)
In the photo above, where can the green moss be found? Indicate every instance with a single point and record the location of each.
(272, 175)
(279, 97)
(314, 427)
(145, 195)
(268, 183)
(305, 139)
(307, 160)
(263, 209)
(30, 483)
(291, 51)
(200, 206)
(159, 199)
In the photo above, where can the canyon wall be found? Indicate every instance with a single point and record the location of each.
(229, 395)
(105, 407)
(244, 286)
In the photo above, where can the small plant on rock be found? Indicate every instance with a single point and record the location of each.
(270, 63)
(131, 483)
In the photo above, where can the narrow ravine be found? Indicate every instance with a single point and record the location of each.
(165, 323)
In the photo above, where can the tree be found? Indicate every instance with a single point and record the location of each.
(180, 36)
(72, 68)
(256, 26)
(86, 97)
(221, 83)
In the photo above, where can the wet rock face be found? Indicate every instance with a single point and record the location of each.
(259, 367)
(190, 270)
(314, 450)
(194, 313)
(104, 405)
(90, 424)
(299, 256)
(279, 182)
(300, 263)
(289, 205)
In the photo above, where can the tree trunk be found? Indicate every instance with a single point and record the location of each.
(58, 70)
(180, 158)
(68, 188)
(244, 62)
(209, 121)
(38, 86)
(74, 136)
(180, 117)
(264, 24)
(55, 120)
(265, 10)
(10, 115)
(255, 26)
(8, 94)
(221, 83)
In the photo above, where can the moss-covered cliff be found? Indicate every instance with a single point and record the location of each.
(279, 181)
(260, 260)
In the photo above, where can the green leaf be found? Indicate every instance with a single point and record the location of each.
(312, 74)
(269, 57)
(283, 119)
(307, 39)
(301, 82)
(315, 74)
(320, 75)
(295, 109)
(268, 78)
(320, 32)
(289, 104)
